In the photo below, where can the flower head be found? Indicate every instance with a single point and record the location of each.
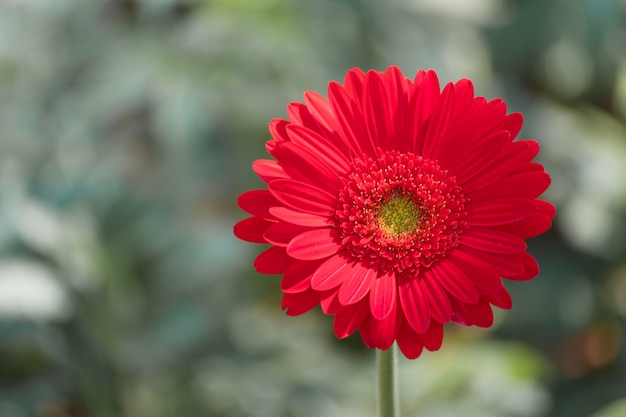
(397, 207)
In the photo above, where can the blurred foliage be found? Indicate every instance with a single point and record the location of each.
(127, 129)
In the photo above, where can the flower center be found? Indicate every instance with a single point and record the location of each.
(398, 215)
(400, 212)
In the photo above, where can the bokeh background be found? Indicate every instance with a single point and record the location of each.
(127, 130)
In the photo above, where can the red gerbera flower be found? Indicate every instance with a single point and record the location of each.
(397, 207)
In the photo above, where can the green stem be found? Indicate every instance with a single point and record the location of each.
(387, 383)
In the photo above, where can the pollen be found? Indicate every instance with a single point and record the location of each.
(400, 212)
(399, 215)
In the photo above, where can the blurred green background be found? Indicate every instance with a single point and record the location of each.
(127, 130)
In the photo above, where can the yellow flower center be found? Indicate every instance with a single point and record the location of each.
(398, 215)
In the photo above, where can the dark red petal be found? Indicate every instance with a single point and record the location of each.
(357, 285)
(507, 160)
(479, 314)
(545, 208)
(475, 159)
(268, 170)
(315, 244)
(503, 264)
(522, 185)
(455, 281)
(409, 342)
(491, 240)
(365, 331)
(414, 304)
(531, 269)
(383, 296)
(299, 218)
(280, 234)
(347, 321)
(483, 276)
(500, 299)
(305, 166)
(383, 332)
(297, 278)
(461, 138)
(252, 229)
(303, 197)
(258, 203)
(529, 227)
(331, 273)
(299, 303)
(273, 261)
(433, 338)
(500, 211)
(329, 301)
(438, 300)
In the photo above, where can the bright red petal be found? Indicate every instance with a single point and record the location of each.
(315, 244)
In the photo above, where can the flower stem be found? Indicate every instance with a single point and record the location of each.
(387, 383)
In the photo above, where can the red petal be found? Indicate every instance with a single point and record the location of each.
(377, 111)
(268, 170)
(331, 273)
(455, 281)
(299, 218)
(383, 296)
(280, 234)
(483, 276)
(347, 321)
(258, 203)
(475, 159)
(438, 300)
(497, 212)
(273, 261)
(424, 93)
(507, 160)
(303, 197)
(414, 304)
(383, 332)
(318, 145)
(278, 129)
(329, 301)
(252, 229)
(479, 314)
(305, 166)
(433, 338)
(409, 342)
(500, 299)
(522, 185)
(529, 227)
(503, 264)
(297, 278)
(531, 269)
(439, 121)
(491, 240)
(350, 120)
(357, 285)
(300, 303)
(315, 244)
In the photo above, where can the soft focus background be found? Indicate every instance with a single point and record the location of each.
(127, 130)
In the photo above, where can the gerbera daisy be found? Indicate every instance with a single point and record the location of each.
(397, 207)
